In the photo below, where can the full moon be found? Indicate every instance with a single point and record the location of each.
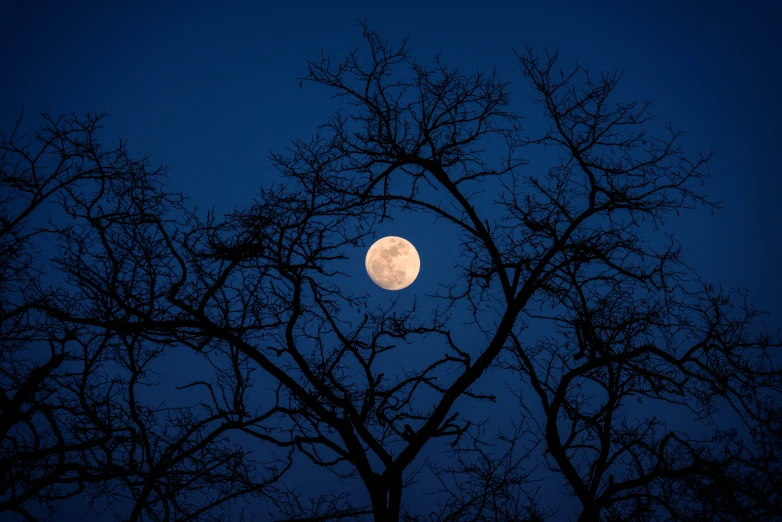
(392, 263)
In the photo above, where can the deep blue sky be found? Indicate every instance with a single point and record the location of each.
(209, 90)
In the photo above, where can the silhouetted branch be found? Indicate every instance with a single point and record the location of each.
(255, 296)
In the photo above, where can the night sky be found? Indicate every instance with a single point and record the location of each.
(208, 91)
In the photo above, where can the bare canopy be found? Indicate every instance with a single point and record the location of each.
(298, 368)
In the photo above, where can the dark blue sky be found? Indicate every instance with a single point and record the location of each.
(209, 90)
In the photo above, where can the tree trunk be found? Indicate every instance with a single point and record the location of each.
(589, 514)
(386, 497)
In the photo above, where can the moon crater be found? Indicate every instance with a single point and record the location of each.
(392, 263)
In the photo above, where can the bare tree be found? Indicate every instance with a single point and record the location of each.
(636, 326)
(75, 418)
(564, 252)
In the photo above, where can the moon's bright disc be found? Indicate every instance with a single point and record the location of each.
(393, 263)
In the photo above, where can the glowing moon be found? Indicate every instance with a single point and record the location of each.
(393, 263)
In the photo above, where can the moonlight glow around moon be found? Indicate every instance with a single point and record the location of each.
(393, 263)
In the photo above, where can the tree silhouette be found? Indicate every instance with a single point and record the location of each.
(256, 295)
(74, 417)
